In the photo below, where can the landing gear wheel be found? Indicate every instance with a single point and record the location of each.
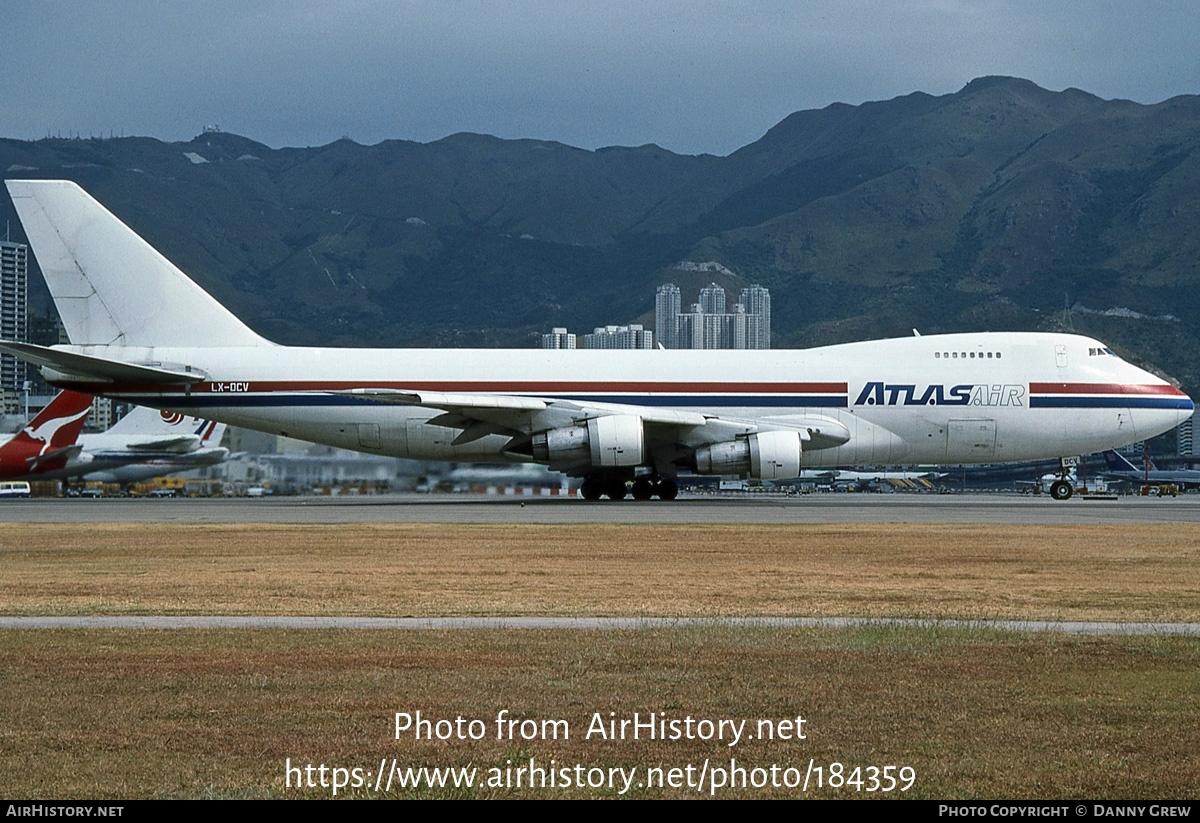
(1061, 490)
(615, 489)
(666, 489)
(643, 489)
(592, 489)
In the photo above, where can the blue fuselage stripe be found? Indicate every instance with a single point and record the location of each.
(235, 400)
(230, 399)
(1110, 403)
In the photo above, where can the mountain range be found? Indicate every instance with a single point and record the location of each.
(1003, 206)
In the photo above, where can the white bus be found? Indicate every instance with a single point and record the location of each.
(14, 489)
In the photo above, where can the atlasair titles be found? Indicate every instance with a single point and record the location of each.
(878, 393)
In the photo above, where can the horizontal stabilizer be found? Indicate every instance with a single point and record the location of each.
(68, 367)
(64, 454)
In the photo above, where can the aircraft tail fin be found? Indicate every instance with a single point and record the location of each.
(111, 287)
(146, 421)
(1118, 462)
(211, 433)
(55, 427)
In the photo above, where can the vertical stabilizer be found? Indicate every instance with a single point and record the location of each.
(55, 427)
(111, 287)
(146, 421)
(1119, 463)
(211, 433)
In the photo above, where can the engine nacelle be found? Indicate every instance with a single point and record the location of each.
(773, 455)
(615, 440)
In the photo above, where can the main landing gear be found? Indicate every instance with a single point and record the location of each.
(615, 488)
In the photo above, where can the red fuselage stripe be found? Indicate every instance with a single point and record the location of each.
(1103, 388)
(490, 387)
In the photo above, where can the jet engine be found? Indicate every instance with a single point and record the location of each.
(614, 440)
(771, 455)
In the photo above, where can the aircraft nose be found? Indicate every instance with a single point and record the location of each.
(1186, 410)
(1162, 412)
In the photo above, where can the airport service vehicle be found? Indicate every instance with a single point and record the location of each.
(11, 489)
(141, 330)
(867, 480)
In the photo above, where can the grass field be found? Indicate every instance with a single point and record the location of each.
(961, 571)
(975, 713)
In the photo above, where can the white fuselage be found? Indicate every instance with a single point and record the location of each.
(948, 399)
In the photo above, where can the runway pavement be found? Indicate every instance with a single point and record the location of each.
(999, 509)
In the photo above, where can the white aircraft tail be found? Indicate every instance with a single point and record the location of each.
(212, 434)
(111, 287)
(143, 420)
(148, 429)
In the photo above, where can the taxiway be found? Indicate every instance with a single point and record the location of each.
(1000, 509)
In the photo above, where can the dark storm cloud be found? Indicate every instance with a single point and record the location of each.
(691, 76)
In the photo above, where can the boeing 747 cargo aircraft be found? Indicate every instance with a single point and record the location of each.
(141, 330)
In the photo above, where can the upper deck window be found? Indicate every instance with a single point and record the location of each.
(947, 355)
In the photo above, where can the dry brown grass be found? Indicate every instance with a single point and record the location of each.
(126, 714)
(1122, 573)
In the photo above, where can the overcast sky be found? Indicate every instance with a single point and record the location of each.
(693, 76)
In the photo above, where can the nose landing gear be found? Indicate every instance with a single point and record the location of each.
(1062, 488)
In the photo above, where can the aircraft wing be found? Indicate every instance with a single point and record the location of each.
(520, 417)
(504, 409)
